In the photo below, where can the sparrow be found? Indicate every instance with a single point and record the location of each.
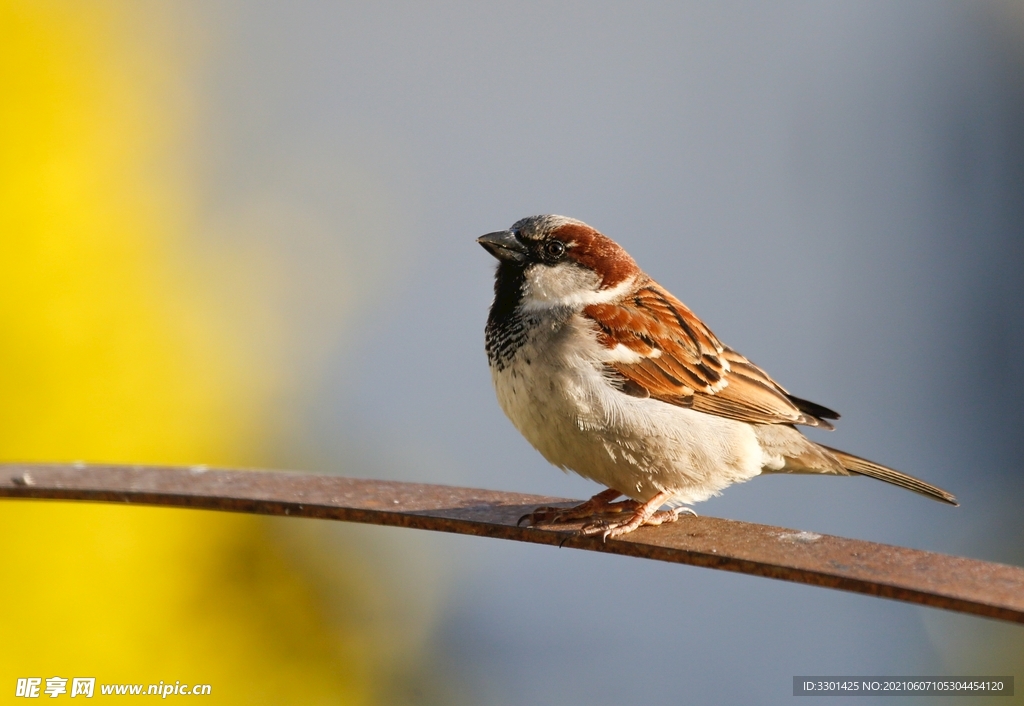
(608, 375)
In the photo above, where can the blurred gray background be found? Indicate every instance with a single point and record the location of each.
(836, 188)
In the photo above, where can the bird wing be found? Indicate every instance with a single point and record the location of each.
(660, 348)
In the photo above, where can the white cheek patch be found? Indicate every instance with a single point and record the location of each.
(567, 285)
(553, 285)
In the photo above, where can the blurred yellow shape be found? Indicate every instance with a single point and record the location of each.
(110, 350)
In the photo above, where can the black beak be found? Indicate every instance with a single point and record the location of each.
(504, 245)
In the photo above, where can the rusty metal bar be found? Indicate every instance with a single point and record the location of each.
(938, 580)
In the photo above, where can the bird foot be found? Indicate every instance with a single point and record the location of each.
(598, 506)
(646, 515)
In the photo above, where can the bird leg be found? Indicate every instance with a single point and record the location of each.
(643, 514)
(600, 504)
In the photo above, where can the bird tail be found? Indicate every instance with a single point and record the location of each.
(863, 467)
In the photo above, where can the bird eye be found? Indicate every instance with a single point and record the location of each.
(555, 249)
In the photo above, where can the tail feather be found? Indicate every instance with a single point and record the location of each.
(864, 467)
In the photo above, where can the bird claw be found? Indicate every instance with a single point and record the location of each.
(602, 516)
(597, 505)
(640, 518)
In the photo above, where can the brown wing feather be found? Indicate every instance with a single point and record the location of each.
(813, 414)
(683, 363)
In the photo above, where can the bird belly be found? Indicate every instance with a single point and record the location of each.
(555, 392)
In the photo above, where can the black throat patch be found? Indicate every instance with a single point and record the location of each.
(506, 326)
